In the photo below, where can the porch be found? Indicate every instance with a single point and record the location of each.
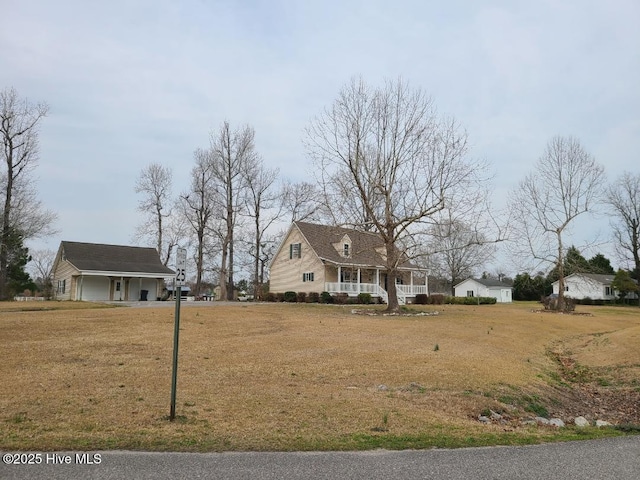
(354, 281)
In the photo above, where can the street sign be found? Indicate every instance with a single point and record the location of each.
(181, 266)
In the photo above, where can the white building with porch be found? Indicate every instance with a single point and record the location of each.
(338, 260)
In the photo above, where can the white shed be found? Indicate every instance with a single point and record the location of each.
(484, 287)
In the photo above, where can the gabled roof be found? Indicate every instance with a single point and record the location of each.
(366, 247)
(113, 258)
(487, 282)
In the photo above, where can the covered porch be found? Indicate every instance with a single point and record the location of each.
(354, 280)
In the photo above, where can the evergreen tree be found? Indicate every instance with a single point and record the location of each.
(601, 264)
(624, 284)
(18, 280)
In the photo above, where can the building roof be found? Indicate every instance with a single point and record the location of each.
(487, 282)
(367, 248)
(603, 279)
(113, 258)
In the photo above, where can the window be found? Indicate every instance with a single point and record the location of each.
(117, 286)
(607, 291)
(295, 250)
(566, 288)
(345, 250)
(62, 286)
(307, 277)
(469, 293)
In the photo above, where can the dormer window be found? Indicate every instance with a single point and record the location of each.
(345, 250)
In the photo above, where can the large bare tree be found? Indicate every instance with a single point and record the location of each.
(623, 196)
(21, 213)
(564, 184)
(230, 153)
(198, 207)
(154, 183)
(388, 154)
(264, 205)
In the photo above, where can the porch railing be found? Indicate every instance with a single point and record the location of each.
(373, 289)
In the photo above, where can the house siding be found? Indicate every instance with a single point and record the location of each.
(64, 272)
(286, 273)
(580, 287)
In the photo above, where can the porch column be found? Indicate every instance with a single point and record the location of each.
(81, 277)
(411, 281)
(426, 282)
(377, 280)
(358, 288)
(121, 286)
(339, 278)
(140, 289)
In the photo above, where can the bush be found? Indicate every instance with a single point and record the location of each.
(325, 297)
(470, 300)
(436, 299)
(313, 297)
(290, 297)
(422, 299)
(364, 298)
(271, 297)
(341, 298)
(301, 297)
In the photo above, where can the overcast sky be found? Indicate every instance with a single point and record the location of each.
(134, 82)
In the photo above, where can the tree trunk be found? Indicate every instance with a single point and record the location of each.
(561, 300)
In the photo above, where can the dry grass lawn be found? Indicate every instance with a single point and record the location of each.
(287, 376)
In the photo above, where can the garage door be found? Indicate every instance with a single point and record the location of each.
(94, 288)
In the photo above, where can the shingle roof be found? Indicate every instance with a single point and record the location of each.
(491, 282)
(113, 258)
(365, 246)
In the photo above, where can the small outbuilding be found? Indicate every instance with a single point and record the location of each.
(99, 272)
(484, 287)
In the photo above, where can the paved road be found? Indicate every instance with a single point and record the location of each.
(607, 459)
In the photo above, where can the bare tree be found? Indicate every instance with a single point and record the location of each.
(402, 162)
(19, 128)
(264, 206)
(565, 183)
(230, 152)
(302, 201)
(42, 268)
(456, 250)
(197, 206)
(154, 183)
(623, 196)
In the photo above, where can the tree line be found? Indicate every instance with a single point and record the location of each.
(384, 160)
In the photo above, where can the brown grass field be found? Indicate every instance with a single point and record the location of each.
(310, 377)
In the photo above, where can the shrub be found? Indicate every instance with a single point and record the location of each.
(422, 299)
(364, 298)
(280, 297)
(313, 297)
(325, 297)
(271, 297)
(290, 296)
(436, 299)
(301, 297)
(341, 298)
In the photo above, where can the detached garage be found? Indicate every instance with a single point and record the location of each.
(98, 272)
